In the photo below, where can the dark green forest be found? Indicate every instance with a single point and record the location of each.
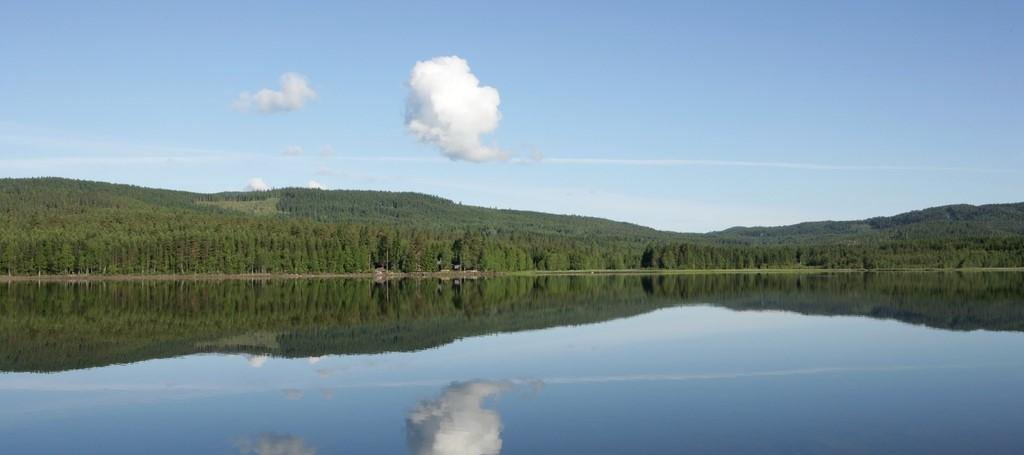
(53, 226)
(87, 324)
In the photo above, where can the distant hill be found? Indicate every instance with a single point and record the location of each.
(950, 221)
(62, 226)
(59, 195)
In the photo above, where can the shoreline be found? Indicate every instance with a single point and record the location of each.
(460, 275)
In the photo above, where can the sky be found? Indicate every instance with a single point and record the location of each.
(685, 116)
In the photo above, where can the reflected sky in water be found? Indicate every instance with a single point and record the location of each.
(689, 379)
(456, 422)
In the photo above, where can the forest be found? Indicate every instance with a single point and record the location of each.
(54, 226)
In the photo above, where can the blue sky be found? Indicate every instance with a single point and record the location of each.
(682, 116)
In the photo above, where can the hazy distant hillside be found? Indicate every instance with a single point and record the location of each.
(949, 221)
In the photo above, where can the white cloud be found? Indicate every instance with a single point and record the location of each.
(326, 171)
(274, 444)
(313, 184)
(295, 92)
(256, 184)
(456, 423)
(326, 151)
(449, 108)
(292, 150)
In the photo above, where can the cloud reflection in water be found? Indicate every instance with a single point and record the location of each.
(256, 361)
(456, 423)
(273, 444)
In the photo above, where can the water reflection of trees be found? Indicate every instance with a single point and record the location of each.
(56, 326)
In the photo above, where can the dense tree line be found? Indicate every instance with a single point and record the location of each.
(147, 242)
(929, 253)
(60, 226)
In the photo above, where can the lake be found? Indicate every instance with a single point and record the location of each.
(697, 363)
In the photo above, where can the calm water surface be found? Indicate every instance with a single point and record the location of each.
(827, 363)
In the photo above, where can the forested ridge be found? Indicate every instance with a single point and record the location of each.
(950, 221)
(59, 226)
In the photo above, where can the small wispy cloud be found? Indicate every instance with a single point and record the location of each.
(48, 163)
(36, 149)
(540, 158)
(292, 150)
(92, 152)
(315, 185)
(536, 155)
(326, 171)
(394, 159)
(256, 184)
(769, 164)
(295, 92)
